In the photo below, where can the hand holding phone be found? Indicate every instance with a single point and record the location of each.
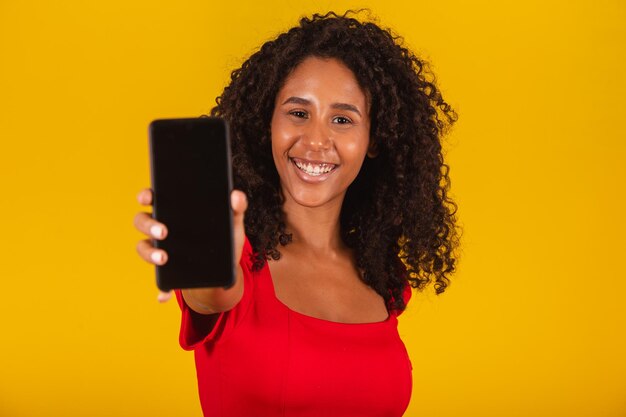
(192, 182)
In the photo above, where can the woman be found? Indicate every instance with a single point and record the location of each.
(339, 171)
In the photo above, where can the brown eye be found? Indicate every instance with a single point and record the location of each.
(299, 114)
(342, 120)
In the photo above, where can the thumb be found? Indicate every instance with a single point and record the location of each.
(239, 203)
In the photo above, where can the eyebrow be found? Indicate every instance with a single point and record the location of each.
(340, 106)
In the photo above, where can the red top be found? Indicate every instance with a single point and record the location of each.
(263, 359)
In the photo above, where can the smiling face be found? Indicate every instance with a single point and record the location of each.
(320, 132)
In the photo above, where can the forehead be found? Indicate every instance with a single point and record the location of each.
(324, 78)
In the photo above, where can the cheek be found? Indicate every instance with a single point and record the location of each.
(283, 137)
(282, 141)
(275, 136)
(357, 149)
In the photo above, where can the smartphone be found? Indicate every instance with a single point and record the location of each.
(191, 176)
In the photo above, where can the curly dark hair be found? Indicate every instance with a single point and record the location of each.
(397, 215)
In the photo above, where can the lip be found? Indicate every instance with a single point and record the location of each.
(313, 179)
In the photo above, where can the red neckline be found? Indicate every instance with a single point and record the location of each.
(266, 271)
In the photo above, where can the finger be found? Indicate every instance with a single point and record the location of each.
(239, 202)
(149, 226)
(164, 296)
(150, 254)
(145, 197)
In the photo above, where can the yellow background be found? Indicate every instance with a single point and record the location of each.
(534, 323)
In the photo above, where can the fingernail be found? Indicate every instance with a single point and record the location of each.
(156, 231)
(164, 296)
(157, 257)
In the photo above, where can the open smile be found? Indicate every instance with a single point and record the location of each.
(313, 168)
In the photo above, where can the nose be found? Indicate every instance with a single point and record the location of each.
(317, 137)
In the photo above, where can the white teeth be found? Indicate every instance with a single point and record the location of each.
(314, 170)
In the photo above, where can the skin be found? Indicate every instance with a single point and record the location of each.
(321, 118)
(321, 115)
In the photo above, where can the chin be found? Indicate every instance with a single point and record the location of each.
(310, 202)
(314, 200)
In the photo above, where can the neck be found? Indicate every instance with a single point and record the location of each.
(317, 228)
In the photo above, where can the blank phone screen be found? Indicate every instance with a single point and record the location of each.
(191, 183)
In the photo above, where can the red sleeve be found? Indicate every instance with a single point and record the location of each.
(197, 329)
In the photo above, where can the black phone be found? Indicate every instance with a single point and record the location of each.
(191, 184)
